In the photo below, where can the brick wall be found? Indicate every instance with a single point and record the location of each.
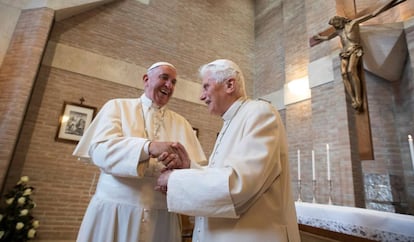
(17, 74)
(295, 40)
(186, 33)
(318, 13)
(269, 52)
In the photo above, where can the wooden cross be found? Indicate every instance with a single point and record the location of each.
(349, 12)
(347, 28)
(348, 31)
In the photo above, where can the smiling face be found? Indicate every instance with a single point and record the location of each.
(216, 94)
(159, 84)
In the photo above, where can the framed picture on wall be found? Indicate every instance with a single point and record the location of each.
(73, 121)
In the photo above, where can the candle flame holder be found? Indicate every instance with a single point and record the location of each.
(299, 190)
(314, 191)
(330, 192)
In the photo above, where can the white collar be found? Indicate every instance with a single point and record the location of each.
(147, 102)
(233, 109)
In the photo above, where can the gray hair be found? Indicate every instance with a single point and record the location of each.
(221, 70)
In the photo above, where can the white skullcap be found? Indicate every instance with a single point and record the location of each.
(161, 63)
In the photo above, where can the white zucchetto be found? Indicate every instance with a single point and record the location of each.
(161, 63)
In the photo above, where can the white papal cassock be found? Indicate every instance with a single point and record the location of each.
(244, 194)
(125, 207)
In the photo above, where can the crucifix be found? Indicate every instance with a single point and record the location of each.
(347, 29)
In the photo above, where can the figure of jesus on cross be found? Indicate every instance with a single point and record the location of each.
(351, 53)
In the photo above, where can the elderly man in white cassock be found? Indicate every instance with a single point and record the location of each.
(244, 193)
(123, 141)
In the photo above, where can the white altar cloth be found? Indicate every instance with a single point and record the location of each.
(366, 223)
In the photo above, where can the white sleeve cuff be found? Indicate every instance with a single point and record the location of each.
(145, 154)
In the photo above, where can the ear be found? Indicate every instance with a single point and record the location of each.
(145, 79)
(230, 85)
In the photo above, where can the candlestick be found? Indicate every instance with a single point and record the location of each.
(410, 142)
(299, 165)
(313, 166)
(314, 191)
(330, 193)
(328, 162)
(299, 190)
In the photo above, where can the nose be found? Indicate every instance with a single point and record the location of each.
(169, 84)
(202, 96)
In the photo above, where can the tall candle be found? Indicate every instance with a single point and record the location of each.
(313, 166)
(328, 162)
(299, 165)
(410, 142)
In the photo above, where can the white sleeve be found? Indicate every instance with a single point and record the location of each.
(200, 192)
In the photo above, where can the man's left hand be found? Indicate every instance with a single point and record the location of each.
(162, 181)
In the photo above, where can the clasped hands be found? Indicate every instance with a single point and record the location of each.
(172, 155)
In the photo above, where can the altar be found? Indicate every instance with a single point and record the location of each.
(364, 223)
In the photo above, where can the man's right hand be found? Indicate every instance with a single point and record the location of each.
(156, 148)
(177, 159)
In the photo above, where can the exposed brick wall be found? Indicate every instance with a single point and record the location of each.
(186, 33)
(318, 13)
(312, 124)
(17, 74)
(269, 49)
(298, 128)
(295, 40)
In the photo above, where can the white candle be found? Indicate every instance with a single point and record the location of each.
(299, 165)
(410, 142)
(328, 162)
(313, 166)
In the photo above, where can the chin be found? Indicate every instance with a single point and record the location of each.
(163, 101)
(212, 112)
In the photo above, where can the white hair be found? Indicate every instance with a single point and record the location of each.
(222, 70)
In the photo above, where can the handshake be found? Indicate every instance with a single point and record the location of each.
(173, 156)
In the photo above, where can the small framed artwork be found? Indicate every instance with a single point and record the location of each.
(73, 121)
(195, 132)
